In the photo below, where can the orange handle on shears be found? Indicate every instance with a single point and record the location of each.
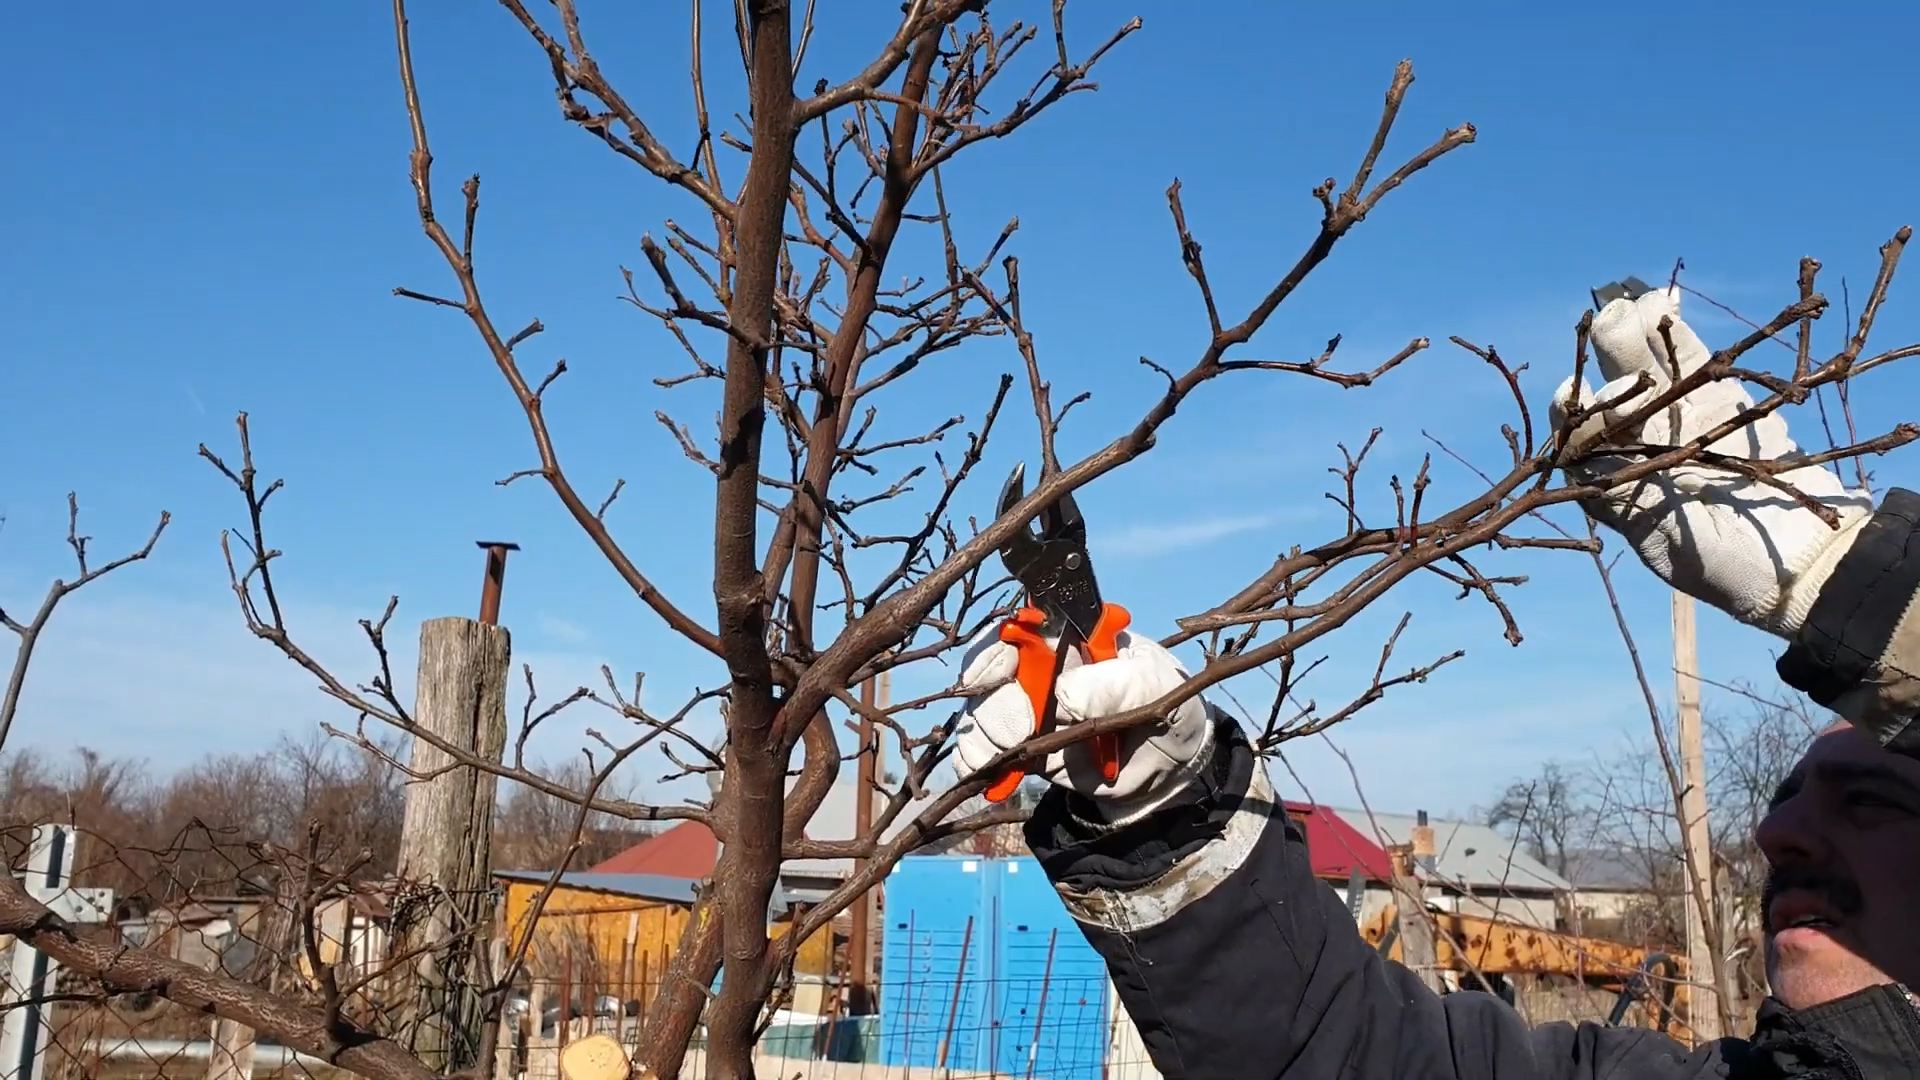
(1035, 675)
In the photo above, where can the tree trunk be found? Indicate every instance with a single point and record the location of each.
(746, 876)
(750, 817)
(674, 1013)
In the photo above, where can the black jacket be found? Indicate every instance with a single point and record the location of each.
(1236, 963)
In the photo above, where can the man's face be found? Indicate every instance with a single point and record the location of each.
(1843, 899)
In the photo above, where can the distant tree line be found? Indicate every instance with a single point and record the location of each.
(212, 828)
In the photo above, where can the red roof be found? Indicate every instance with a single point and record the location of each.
(688, 850)
(1336, 848)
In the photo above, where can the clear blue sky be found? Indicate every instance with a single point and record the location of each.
(205, 210)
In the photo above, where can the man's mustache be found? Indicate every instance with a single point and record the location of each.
(1839, 891)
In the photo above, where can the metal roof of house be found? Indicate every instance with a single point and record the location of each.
(689, 850)
(1335, 848)
(686, 850)
(1474, 857)
(1605, 871)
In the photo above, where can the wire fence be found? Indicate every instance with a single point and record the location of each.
(307, 929)
(299, 926)
(1060, 1030)
(1032, 1028)
(397, 961)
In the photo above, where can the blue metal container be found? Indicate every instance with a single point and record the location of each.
(982, 965)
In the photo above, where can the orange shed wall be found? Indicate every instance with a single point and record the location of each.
(607, 943)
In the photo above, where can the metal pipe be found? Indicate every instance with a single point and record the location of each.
(1040, 1008)
(953, 1007)
(271, 1055)
(1422, 840)
(860, 942)
(496, 577)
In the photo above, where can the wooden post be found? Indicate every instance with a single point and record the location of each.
(1410, 904)
(231, 1055)
(276, 933)
(1704, 1007)
(566, 992)
(860, 935)
(626, 993)
(461, 699)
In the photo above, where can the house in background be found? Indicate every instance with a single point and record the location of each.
(1477, 871)
(1608, 889)
(612, 934)
(214, 933)
(689, 850)
(243, 934)
(1340, 855)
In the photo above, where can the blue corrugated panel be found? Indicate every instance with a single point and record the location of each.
(1014, 1010)
(932, 913)
(1050, 986)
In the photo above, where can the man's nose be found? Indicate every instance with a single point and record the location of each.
(1792, 832)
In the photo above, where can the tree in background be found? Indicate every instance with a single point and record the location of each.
(536, 830)
(1618, 812)
(1549, 815)
(164, 838)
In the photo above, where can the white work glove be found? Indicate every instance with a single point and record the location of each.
(1742, 546)
(1156, 759)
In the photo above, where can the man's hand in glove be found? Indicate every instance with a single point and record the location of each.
(1156, 759)
(1747, 548)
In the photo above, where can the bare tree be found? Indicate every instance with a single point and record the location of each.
(789, 303)
(1749, 754)
(537, 829)
(1621, 809)
(1549, 813)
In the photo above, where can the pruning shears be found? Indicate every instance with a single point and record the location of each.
(1063, 602)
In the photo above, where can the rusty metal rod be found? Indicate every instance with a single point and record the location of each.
(953, 1007)
(496, 577)
(1040, 1008)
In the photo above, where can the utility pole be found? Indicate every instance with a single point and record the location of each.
(1704, 1006)
(1410, 905)
(860, 945)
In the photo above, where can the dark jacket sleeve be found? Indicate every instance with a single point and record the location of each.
(1235, 962)
(1858, 652)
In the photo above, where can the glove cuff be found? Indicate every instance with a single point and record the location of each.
(1125, 810)
(1798, 599)
(1079, 844)
(1858, 650)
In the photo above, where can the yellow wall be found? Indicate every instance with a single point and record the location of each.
(588, 932)
(815, 956)
(597, 926)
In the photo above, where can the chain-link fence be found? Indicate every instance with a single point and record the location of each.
(310, 928)
(314, 928)
(1059, 1029)
(306, 929)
